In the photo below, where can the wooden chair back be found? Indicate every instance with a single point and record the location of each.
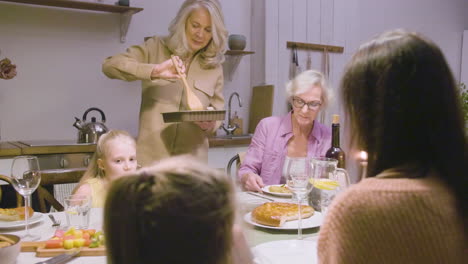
(51, 177)
(19, 198)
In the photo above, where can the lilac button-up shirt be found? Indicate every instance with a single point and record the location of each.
(268, 149)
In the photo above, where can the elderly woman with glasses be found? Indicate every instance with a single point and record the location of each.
(296, 134)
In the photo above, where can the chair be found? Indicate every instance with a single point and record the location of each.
(19, 198)
(48, 192)
(238, 158)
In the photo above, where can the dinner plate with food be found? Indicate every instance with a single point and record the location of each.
(280, 215)
(14, 217)
(278, 190)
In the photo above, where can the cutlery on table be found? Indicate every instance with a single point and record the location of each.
(55, 222)
(62, 258)
(261, 196)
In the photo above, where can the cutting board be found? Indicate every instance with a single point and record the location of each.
(38, 247)
(261, 105)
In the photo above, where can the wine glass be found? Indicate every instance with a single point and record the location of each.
(298, 174)
(26, 176)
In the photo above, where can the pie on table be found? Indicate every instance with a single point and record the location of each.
(277, 213)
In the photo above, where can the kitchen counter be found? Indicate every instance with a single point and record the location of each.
(229, 142)
(17, 148)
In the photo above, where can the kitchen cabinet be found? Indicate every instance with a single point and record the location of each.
(125, 12)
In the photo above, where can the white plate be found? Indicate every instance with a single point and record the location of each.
(311, 222)
(265, 189)
(10, 224)
(286, 251)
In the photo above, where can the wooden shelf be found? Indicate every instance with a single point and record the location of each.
(79, 5)
(311, 46)
(126, 12)
(238, 52)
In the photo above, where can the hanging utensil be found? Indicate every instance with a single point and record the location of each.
(309, 61)
(326, 63)
(292, 67)
(193, 103)
(298, 67)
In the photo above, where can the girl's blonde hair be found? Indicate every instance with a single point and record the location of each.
(179, 204)
(213, 54)
(102, 149)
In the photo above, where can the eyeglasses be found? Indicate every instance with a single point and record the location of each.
(299, 103)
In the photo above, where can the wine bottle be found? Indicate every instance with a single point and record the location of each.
(335, 152)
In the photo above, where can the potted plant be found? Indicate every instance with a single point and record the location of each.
(464, 103)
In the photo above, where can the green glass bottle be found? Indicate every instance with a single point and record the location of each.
(335, 152)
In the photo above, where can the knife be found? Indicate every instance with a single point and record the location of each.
(261, 196)
(62, 258)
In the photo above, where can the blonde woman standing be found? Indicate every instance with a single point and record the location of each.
(197, 39)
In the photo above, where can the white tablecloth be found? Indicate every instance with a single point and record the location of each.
(45, 230)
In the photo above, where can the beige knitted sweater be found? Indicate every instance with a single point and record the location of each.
(387, 219)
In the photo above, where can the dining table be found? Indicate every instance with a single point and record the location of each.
(257, 236)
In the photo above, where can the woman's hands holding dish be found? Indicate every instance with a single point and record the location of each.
(167, 70)
(206, 125)
(252, 182)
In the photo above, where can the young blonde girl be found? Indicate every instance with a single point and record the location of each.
(115, 156)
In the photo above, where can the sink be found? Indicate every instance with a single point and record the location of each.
(244, 136)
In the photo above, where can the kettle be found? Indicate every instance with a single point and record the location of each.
(89, 132)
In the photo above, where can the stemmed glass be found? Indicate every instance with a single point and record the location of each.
(298, 175)
(26, 176)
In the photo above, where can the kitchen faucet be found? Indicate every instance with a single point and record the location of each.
(230, 129)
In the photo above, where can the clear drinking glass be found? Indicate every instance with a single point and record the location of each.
(298, 175)
(26, 176)
(77, 211)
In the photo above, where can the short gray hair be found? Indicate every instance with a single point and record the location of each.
(213, 54)
(302, 83)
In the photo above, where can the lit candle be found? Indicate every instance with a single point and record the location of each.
(363, 162)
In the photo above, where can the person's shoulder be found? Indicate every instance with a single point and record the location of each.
(155, 41)
(84, 189)
(272, 120)
(325, 130)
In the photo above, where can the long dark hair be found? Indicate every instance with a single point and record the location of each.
(404, 108)
(179, 211)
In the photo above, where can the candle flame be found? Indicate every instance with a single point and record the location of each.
(363, 155)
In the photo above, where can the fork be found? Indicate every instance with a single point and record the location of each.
(55, 222)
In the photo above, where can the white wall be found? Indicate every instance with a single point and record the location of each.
(58, 53)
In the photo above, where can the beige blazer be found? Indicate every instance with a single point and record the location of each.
(156, 139)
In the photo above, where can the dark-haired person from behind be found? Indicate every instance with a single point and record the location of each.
(403, 107)
(178, 211)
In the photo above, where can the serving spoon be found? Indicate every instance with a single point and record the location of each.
(193, 103)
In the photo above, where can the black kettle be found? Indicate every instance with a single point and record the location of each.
(89, 132)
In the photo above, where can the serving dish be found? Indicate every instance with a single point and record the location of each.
(36, 217)
(41, 251)
(311, 222)
(9, 254)
(199, 115)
